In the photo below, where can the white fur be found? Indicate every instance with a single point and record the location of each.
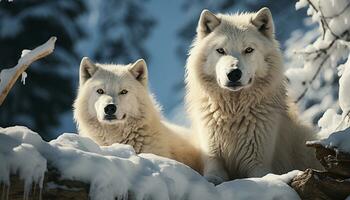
(138, 120)
(245, 131)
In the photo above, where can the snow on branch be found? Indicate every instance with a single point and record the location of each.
(329, 49)
(9, 76)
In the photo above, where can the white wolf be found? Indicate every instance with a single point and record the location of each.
(114, 105)
(237, 99)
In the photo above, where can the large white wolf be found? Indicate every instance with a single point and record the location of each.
(237, 99)
(114, 105)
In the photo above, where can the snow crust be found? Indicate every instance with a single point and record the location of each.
(115, 170)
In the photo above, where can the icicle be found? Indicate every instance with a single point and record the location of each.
(34, 188)
(23, 78)
(26, 191)
(3, 192)
(41, 183)
(8, 192)
(40, 193)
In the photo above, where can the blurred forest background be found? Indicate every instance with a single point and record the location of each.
(119, 31)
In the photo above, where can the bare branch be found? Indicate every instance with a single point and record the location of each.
(9, 76)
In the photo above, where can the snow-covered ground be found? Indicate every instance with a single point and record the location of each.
(114, 170)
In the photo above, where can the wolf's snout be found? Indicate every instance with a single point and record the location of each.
(110, 109)
(234, 75)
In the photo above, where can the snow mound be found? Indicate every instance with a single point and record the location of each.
(339, 141)
(116, 171)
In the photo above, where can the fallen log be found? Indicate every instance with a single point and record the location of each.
(332, 159)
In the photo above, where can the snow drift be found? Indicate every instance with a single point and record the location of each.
(116, 171)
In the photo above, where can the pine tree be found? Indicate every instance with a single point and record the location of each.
(115, 31)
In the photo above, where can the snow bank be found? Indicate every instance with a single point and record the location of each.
(339, 141)
(115, 170)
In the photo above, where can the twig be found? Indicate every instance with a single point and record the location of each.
(9, 76)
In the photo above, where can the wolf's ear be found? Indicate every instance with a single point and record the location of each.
(139, 71)
(87, 69)
(207, 23)
(264, 22)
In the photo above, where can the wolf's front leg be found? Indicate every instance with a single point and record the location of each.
(214, 170)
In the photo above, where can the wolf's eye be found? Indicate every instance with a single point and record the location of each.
(221, 51)
(248, 50)
(100, 91)
(123, 92)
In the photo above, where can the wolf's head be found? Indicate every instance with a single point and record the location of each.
(111, 94)
(235, 50)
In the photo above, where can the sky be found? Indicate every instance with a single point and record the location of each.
(165, 67)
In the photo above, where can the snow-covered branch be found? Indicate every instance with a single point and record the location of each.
(9, 76)
(330, 48)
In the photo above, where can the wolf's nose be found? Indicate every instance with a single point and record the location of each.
(110, 109)
(234, 75)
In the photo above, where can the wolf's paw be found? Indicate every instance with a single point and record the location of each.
(215, 179)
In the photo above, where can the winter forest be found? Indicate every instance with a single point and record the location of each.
(41, 157)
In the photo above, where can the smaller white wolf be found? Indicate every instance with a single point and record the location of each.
(114, 105)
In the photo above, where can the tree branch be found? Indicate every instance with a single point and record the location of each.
(322, 53)
(9, 76)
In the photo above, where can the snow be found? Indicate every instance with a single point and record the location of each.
(300, 4)
(344, 83)
(115, 170)
(339, 140)
(268, 187)
(25, 52)
(5, 77)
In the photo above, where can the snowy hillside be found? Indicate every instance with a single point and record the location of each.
(116, 171)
